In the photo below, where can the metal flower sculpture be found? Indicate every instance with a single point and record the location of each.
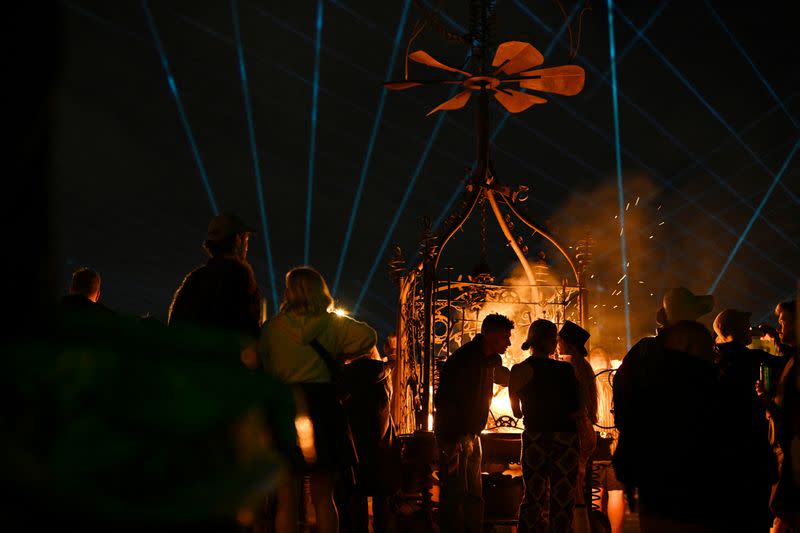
(511, 64)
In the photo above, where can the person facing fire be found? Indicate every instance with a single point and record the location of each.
(544, 392)
(462, 407)
(222, 295)
(571, 347)
(667, 410)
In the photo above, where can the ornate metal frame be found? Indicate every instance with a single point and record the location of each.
(420, 349)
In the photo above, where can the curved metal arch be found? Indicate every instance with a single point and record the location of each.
(544, 234)
(477, 193)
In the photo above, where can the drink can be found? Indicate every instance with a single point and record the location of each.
(765, 376)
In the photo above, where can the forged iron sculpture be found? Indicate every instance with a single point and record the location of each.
(436, 312)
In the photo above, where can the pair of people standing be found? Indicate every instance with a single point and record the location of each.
(558, 403)
(222, 296)
(543, 391)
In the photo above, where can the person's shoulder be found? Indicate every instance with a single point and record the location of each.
(460, 357)
(197, 273)
(561, 366)
(468, 350)
(347, 323)
(343, 321)
(229, 265)
(105, 310)
(521, 368)
(762, 355)
(281, 320)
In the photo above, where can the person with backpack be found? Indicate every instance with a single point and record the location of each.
(302, 346)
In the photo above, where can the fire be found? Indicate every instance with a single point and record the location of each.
(501, 405)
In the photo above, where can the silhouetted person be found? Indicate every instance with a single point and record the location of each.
(744, 420)
(462, 401)
(84, 295)
(671, 449)
(222, 294)
(630, 380)
(544, 392)
(784, 410)
(571, 347)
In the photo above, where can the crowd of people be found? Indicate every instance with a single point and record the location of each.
(728, 462)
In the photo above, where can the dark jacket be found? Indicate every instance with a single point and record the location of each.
(745, 438)
(465, 391)
(221, 294)
(667, 412)
(739, 369)
(77, 304)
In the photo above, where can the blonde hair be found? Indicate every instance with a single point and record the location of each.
(306, 292)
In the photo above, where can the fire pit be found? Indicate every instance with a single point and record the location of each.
(501, 447)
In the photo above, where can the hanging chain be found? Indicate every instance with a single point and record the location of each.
(484, 252)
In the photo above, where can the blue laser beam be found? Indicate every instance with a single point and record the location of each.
(460, 187)
(659, 127)
(408, 134)
(753, 218)
(744, 54)
(313, 142)
(633, 156)
(702, 100)
(628, 47)
(173, 87)
(401, 206)
(254, 151)
(370, 147)
(547, 53)
(666, 217)
(675, 262)
(771, 311)
(350, 11)
(620, 184)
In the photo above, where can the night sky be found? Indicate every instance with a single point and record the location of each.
(708, 119)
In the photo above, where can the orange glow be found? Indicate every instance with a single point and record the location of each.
(305, 437)
(501, 404)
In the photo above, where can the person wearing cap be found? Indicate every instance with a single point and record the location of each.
(647, 368)
(748, 446)
(544, 393)
(462, 402)
(678, 304)
(571, 348)
(672, 444)
(222, 294)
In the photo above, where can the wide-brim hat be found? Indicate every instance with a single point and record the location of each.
(225, 225)
(576, 335)
(682, 304)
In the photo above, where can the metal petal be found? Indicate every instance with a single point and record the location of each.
(516, 56)
(421, 56)
(566, 79)
(516, 101)
(456, 102)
